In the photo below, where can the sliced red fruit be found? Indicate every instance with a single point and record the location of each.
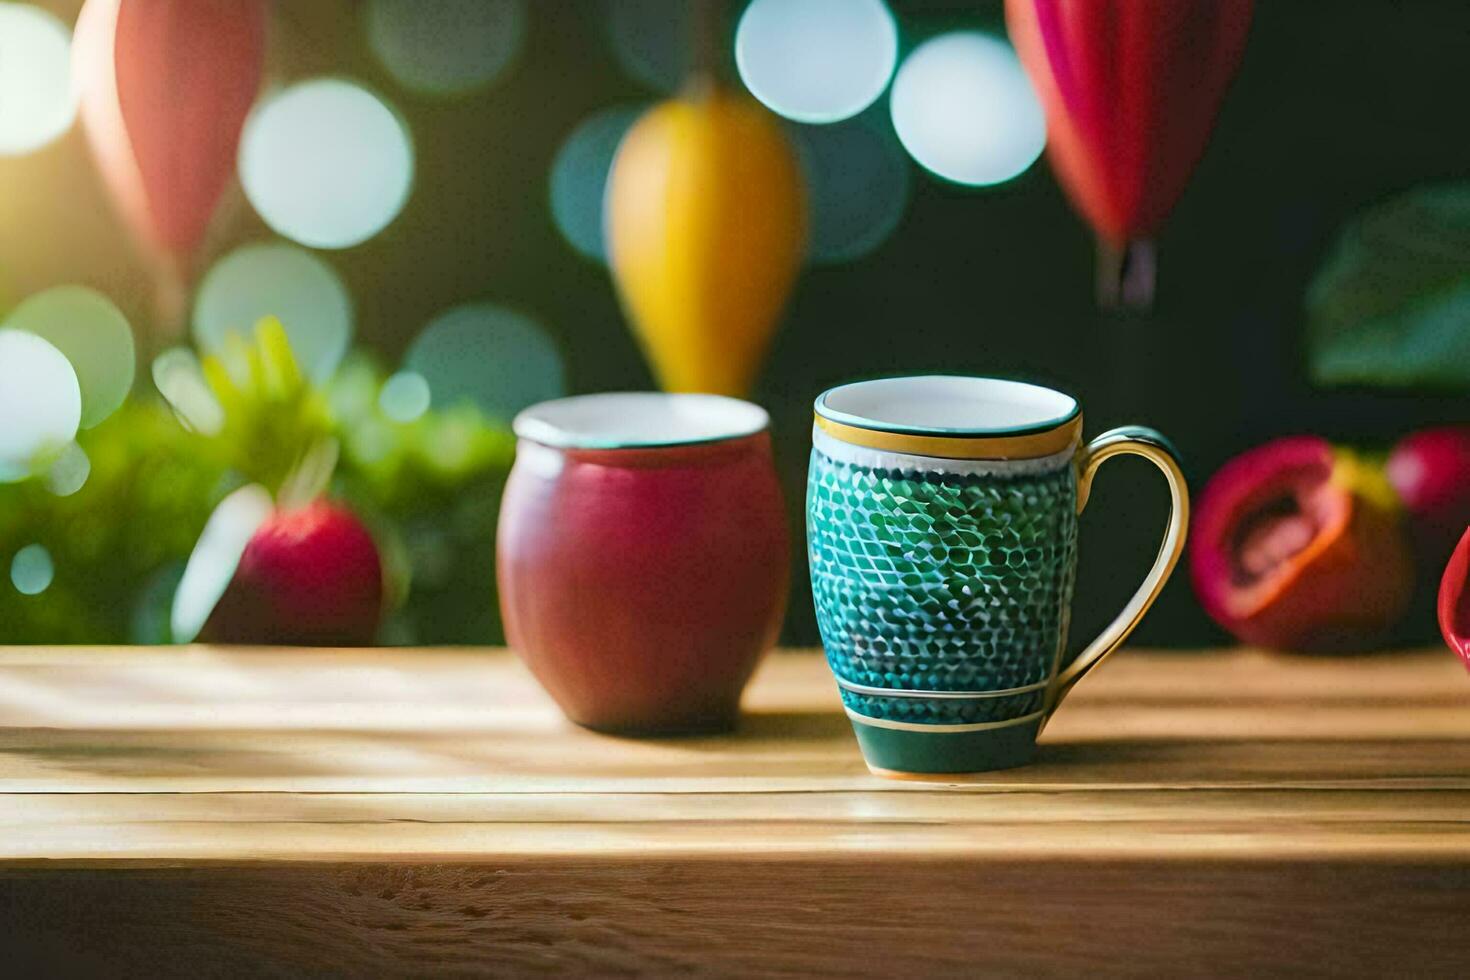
(308, 576)
(1430, 470)
(1297, 546)
(216, 556)
(1454, 602)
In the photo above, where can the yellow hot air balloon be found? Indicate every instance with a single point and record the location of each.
(706, 229)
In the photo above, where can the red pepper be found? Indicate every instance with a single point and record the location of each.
(1131, 89)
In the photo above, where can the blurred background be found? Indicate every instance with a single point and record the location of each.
(460, 274)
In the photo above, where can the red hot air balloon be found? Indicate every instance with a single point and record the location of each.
(1131, 90)
(165, 86)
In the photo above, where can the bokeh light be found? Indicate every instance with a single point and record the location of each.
(499, 359)
(857, 179)
(37, 100)
(40, 402)
(370, 441)
(353, 393)
(31, 570)
(965, 110)
(95, 337)
(70, 471)
(180, 380)
(326, 163)
(651, 40)
(215, 558)
(405, 396)
(579, 177)
(445, 47)
(280, 280)
(816, 61)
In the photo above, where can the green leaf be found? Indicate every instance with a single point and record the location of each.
(1391, 305)
(272, 415)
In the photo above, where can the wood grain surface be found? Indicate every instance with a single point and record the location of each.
(187, 811)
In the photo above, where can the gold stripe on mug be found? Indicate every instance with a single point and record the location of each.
(1030, 445)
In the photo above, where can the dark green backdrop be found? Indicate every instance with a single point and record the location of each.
(1337, 106)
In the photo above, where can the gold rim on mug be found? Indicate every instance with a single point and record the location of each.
(1039, 438)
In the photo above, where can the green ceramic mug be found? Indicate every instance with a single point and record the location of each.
(942, 534)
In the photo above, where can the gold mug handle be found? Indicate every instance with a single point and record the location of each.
(1135, 441)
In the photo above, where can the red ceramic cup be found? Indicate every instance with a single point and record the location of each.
(643, 556)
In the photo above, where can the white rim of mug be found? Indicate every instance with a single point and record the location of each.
(528, 424)
(876, 425)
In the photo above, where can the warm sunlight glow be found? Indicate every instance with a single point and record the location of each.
(37, 102)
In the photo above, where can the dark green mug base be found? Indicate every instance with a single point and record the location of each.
(902, 752)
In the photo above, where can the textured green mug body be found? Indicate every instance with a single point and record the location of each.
(942, 521)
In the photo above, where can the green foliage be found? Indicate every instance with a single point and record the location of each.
(1391, 306)
(430, 488)
(398, 465)
(145, 501)
(272, 414)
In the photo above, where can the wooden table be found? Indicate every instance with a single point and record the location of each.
(187, 810)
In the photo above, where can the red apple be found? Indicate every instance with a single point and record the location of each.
(1297, 545)
(1454, 603)
(1430, 471)
(307, 576)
